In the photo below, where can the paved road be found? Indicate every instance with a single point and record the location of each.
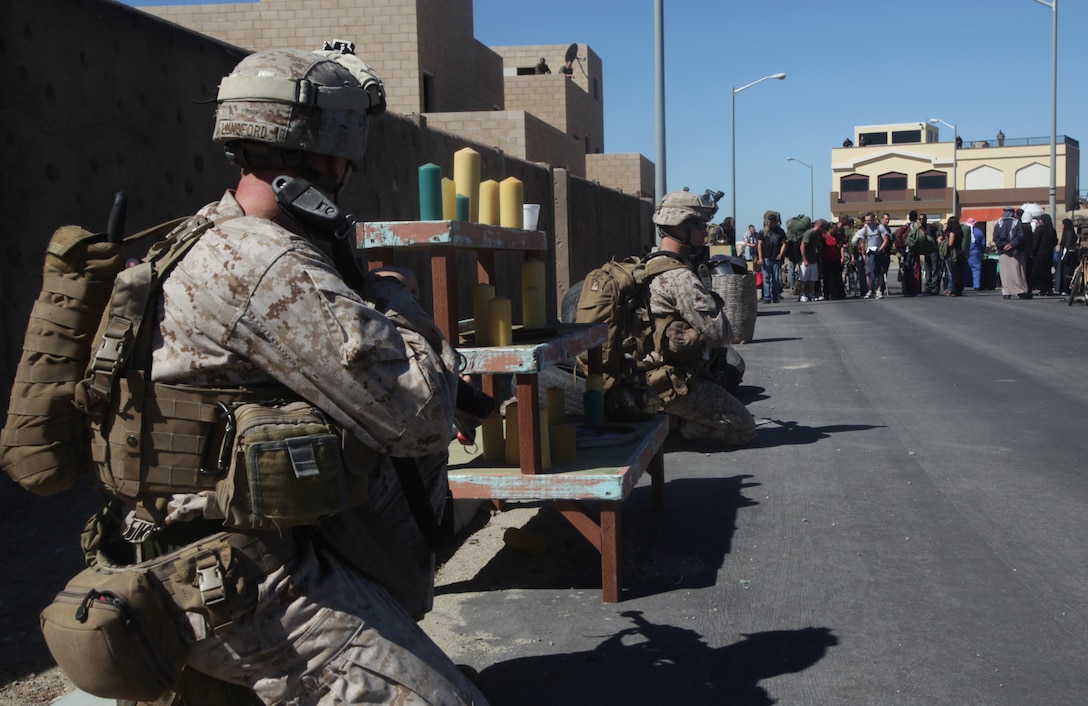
(908, 529)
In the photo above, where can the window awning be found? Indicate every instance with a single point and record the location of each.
(987, 215)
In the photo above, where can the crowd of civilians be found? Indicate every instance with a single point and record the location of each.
(847, 259)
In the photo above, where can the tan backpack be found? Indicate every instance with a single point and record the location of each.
(45, 443)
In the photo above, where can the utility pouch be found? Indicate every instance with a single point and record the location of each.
(287, 468)
(113, 635)
(668, 382)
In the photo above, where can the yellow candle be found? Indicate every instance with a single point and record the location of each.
(489, 202)
(513, 443)
(499, 322)
(566, 443)
(491, 431)
(482, 294)
(449, 200)
(545, 444)
(466, 176)
(556, 399)
(595, 382)
(511, 203)
(533, 308)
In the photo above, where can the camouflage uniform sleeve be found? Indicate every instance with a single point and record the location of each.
(682, 293)
(392, 385)
(252, 303)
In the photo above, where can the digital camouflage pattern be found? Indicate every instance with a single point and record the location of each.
(704, 410)
(252, 303)
(295, 100)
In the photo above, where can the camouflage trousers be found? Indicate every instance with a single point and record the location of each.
(322, 634)
(707, 412)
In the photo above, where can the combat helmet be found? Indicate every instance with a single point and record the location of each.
(279, 103)
(679, 206)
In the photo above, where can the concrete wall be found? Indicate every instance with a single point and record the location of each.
(401, 39)
(516, 133)
(629, 172)
(101, 97)
(574, 104)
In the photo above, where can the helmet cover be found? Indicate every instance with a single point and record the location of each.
(295, 100)
(679, 206)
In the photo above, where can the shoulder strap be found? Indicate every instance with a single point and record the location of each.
(133, 298)
(662, 261)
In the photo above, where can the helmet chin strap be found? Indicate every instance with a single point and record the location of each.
(666, 234)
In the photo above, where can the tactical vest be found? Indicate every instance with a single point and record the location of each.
(151, 440)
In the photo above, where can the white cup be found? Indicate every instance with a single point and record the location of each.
(530, 215)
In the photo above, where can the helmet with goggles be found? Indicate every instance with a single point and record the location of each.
(679, 206)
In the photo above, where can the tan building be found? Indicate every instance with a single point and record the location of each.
(432, 65)
(906, 167)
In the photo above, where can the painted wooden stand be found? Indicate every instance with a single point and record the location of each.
(589, 492)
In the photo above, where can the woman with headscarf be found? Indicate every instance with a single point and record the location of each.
(1042, 261)
(1068, 257)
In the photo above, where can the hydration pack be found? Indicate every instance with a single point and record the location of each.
(616, 294)
(45, 444)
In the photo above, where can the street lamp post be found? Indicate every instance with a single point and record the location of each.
(1053, 5)
(733, 137)
(811, 199)
(955, 165)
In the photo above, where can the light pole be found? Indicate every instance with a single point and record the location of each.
(955, 165)
(733, 138)
(1053, 5)
(811, 200)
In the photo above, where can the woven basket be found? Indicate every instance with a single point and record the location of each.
(740, 297)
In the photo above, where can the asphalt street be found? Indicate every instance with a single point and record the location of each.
(907, 529)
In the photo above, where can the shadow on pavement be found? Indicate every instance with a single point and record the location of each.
(650, 663)
(659, 554)
(785, 433)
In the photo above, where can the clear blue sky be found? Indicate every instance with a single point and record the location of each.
(981, 64)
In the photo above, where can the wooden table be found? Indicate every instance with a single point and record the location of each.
(589, 491)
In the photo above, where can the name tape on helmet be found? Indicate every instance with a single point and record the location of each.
(253, 130)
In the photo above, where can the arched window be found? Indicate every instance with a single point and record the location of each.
(854, 188)
(892, 187)
(932, 185)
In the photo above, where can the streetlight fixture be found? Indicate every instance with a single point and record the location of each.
(955, 178)
(733, 138)
(1053, 5)
(811, 199)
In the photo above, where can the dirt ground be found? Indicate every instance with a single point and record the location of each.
(39, 543)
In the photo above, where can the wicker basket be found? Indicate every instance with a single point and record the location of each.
(740, 297)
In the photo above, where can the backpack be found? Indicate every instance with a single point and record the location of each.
(616, 294)
(45, 444)
(798, 225)
(793, 247)
(899, 240)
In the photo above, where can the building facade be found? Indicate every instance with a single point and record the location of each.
(906, 167)
(432, 65)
